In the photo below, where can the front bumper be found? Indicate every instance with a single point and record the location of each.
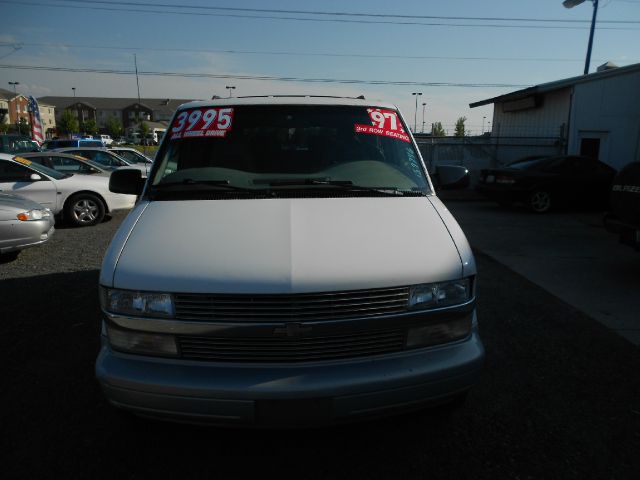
(24, 235)
(289, 394)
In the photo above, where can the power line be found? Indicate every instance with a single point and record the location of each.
(303, 19)
(261, 77)
(325, 13)
(285, 53)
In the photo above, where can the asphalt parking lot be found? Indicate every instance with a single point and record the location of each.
(568, 253)
(559, 397)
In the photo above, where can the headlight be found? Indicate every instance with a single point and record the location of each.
(438, 295)
(35, 214)
(141, 304)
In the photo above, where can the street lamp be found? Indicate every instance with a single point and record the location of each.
(423, 106)
(573, 3)
(483, 118)
(74, 91)
(415, 114)
(15, 92)
(230, 88)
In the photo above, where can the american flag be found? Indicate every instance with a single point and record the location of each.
(34, 118)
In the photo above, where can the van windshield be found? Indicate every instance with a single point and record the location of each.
(285, 147)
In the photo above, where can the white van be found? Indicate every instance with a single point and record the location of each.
(288, 264)
(106, 139)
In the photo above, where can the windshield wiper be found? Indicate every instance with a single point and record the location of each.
(214, 184)
(346, 185)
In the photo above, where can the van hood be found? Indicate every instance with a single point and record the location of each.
(281, 246)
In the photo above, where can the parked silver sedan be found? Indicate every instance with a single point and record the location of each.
(23, 224)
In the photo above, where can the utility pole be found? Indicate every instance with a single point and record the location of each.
(573, 3)
(415, 113)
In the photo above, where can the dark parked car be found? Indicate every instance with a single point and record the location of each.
(75, 143)
(624, 217)
(17, 144)
(546, 183)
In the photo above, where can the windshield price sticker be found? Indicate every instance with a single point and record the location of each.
(23, 161)
(384, 123)
(202, 122)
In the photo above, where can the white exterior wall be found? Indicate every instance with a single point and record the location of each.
(47, 116)
(608, 109)
(543, 121)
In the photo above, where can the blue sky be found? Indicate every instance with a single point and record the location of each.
(193, 41)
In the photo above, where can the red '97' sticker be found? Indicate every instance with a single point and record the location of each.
(202, 122)
(384, 123)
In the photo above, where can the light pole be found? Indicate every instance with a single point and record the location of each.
(483, 118)
(424, 104)
(74, 91)
(15, 92)
(415, 114)
(230, 88)
(573, 3)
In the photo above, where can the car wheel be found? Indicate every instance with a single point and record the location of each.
(540, 201)
(84, 210)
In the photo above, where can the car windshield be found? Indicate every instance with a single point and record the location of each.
(131, 156)
(277, 148)
(41, 168)
(95, 164)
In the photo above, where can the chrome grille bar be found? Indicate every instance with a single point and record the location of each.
(203, 307)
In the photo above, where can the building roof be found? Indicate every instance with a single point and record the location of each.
(6, 94)
(166, 105)
(559, 84)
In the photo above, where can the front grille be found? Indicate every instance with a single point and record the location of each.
(294, 307)
(273, 349)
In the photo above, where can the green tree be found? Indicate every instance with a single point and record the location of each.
(23, 126)
(437, 130)
(90, 127)
(143, 130)
(460, 131)
(4, 127)
(114, 127)
(68, 123)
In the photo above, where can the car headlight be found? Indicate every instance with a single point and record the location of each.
(35, 214)
(438, 295)
(140, 304)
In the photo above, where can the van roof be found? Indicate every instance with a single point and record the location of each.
(288, 100)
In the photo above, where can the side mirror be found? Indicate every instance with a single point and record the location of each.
(127, 180)
(34, 177)
(451, 177)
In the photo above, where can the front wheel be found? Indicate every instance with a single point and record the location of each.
(84, 210)
(540, 201)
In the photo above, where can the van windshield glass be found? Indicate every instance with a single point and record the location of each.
(280, 147)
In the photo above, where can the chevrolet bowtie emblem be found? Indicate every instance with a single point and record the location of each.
(292, 330)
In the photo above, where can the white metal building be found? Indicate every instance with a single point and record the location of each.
(596, 115)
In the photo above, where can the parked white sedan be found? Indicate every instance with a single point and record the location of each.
(83, 200)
